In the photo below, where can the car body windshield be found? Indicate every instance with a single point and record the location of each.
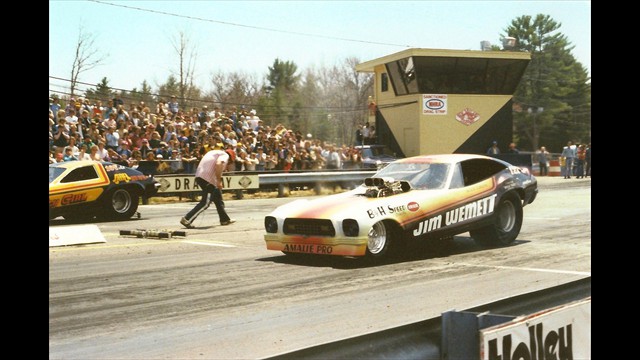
(424, 176)
(54, 172)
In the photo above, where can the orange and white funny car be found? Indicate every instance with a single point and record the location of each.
(419, 198)
(81, 190)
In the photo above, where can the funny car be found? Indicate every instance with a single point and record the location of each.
(81, 190)
(412, 199)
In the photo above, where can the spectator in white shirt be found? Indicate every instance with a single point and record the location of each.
(251, 162)
(113, 138)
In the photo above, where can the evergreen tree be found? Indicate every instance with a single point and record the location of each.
(102, 92)
(146, 95)
(284, 81)
(554, 96)
(142, 95)
(169, 88)
(283, 75)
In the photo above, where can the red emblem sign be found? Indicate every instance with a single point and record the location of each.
(467, 116)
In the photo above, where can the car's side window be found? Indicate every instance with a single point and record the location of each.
(457, 180)
(81, 174)
(476, 170)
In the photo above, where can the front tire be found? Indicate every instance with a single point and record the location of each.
(382, 241)
(121, 204)
(506, 224)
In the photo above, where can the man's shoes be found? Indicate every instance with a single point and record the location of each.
(186, 223)
(228, 222)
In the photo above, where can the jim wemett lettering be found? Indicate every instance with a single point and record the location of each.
(471, 210)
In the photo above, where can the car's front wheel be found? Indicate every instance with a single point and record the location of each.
(506, 224)
(382, 241)
(121, 204)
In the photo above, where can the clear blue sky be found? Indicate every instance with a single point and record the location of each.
(247, 36)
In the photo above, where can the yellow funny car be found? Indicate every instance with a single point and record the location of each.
(82, 190)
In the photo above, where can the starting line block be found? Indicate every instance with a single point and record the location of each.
(144, 233)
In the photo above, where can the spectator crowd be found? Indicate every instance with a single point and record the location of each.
(177, 138)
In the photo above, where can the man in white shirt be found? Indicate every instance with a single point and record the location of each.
(113, 138)
(72, 119)
(568, 153)
(251, 162)
(209, 179)
(333, 159)
(253, 120)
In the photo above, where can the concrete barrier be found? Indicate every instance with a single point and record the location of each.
(555, 168)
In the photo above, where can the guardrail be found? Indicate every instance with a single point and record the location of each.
(282, 181)
(315, 180)
(239, 181)
(423, 339)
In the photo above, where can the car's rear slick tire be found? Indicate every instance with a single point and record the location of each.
(121, 204)
(507, 221)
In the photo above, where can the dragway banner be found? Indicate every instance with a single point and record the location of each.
(187, 183)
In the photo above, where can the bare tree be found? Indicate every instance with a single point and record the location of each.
(357, 88)
(233, 89)
(186, 67)
(344, 92)
(86, 57)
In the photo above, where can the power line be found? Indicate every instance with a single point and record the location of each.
(247, 26)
